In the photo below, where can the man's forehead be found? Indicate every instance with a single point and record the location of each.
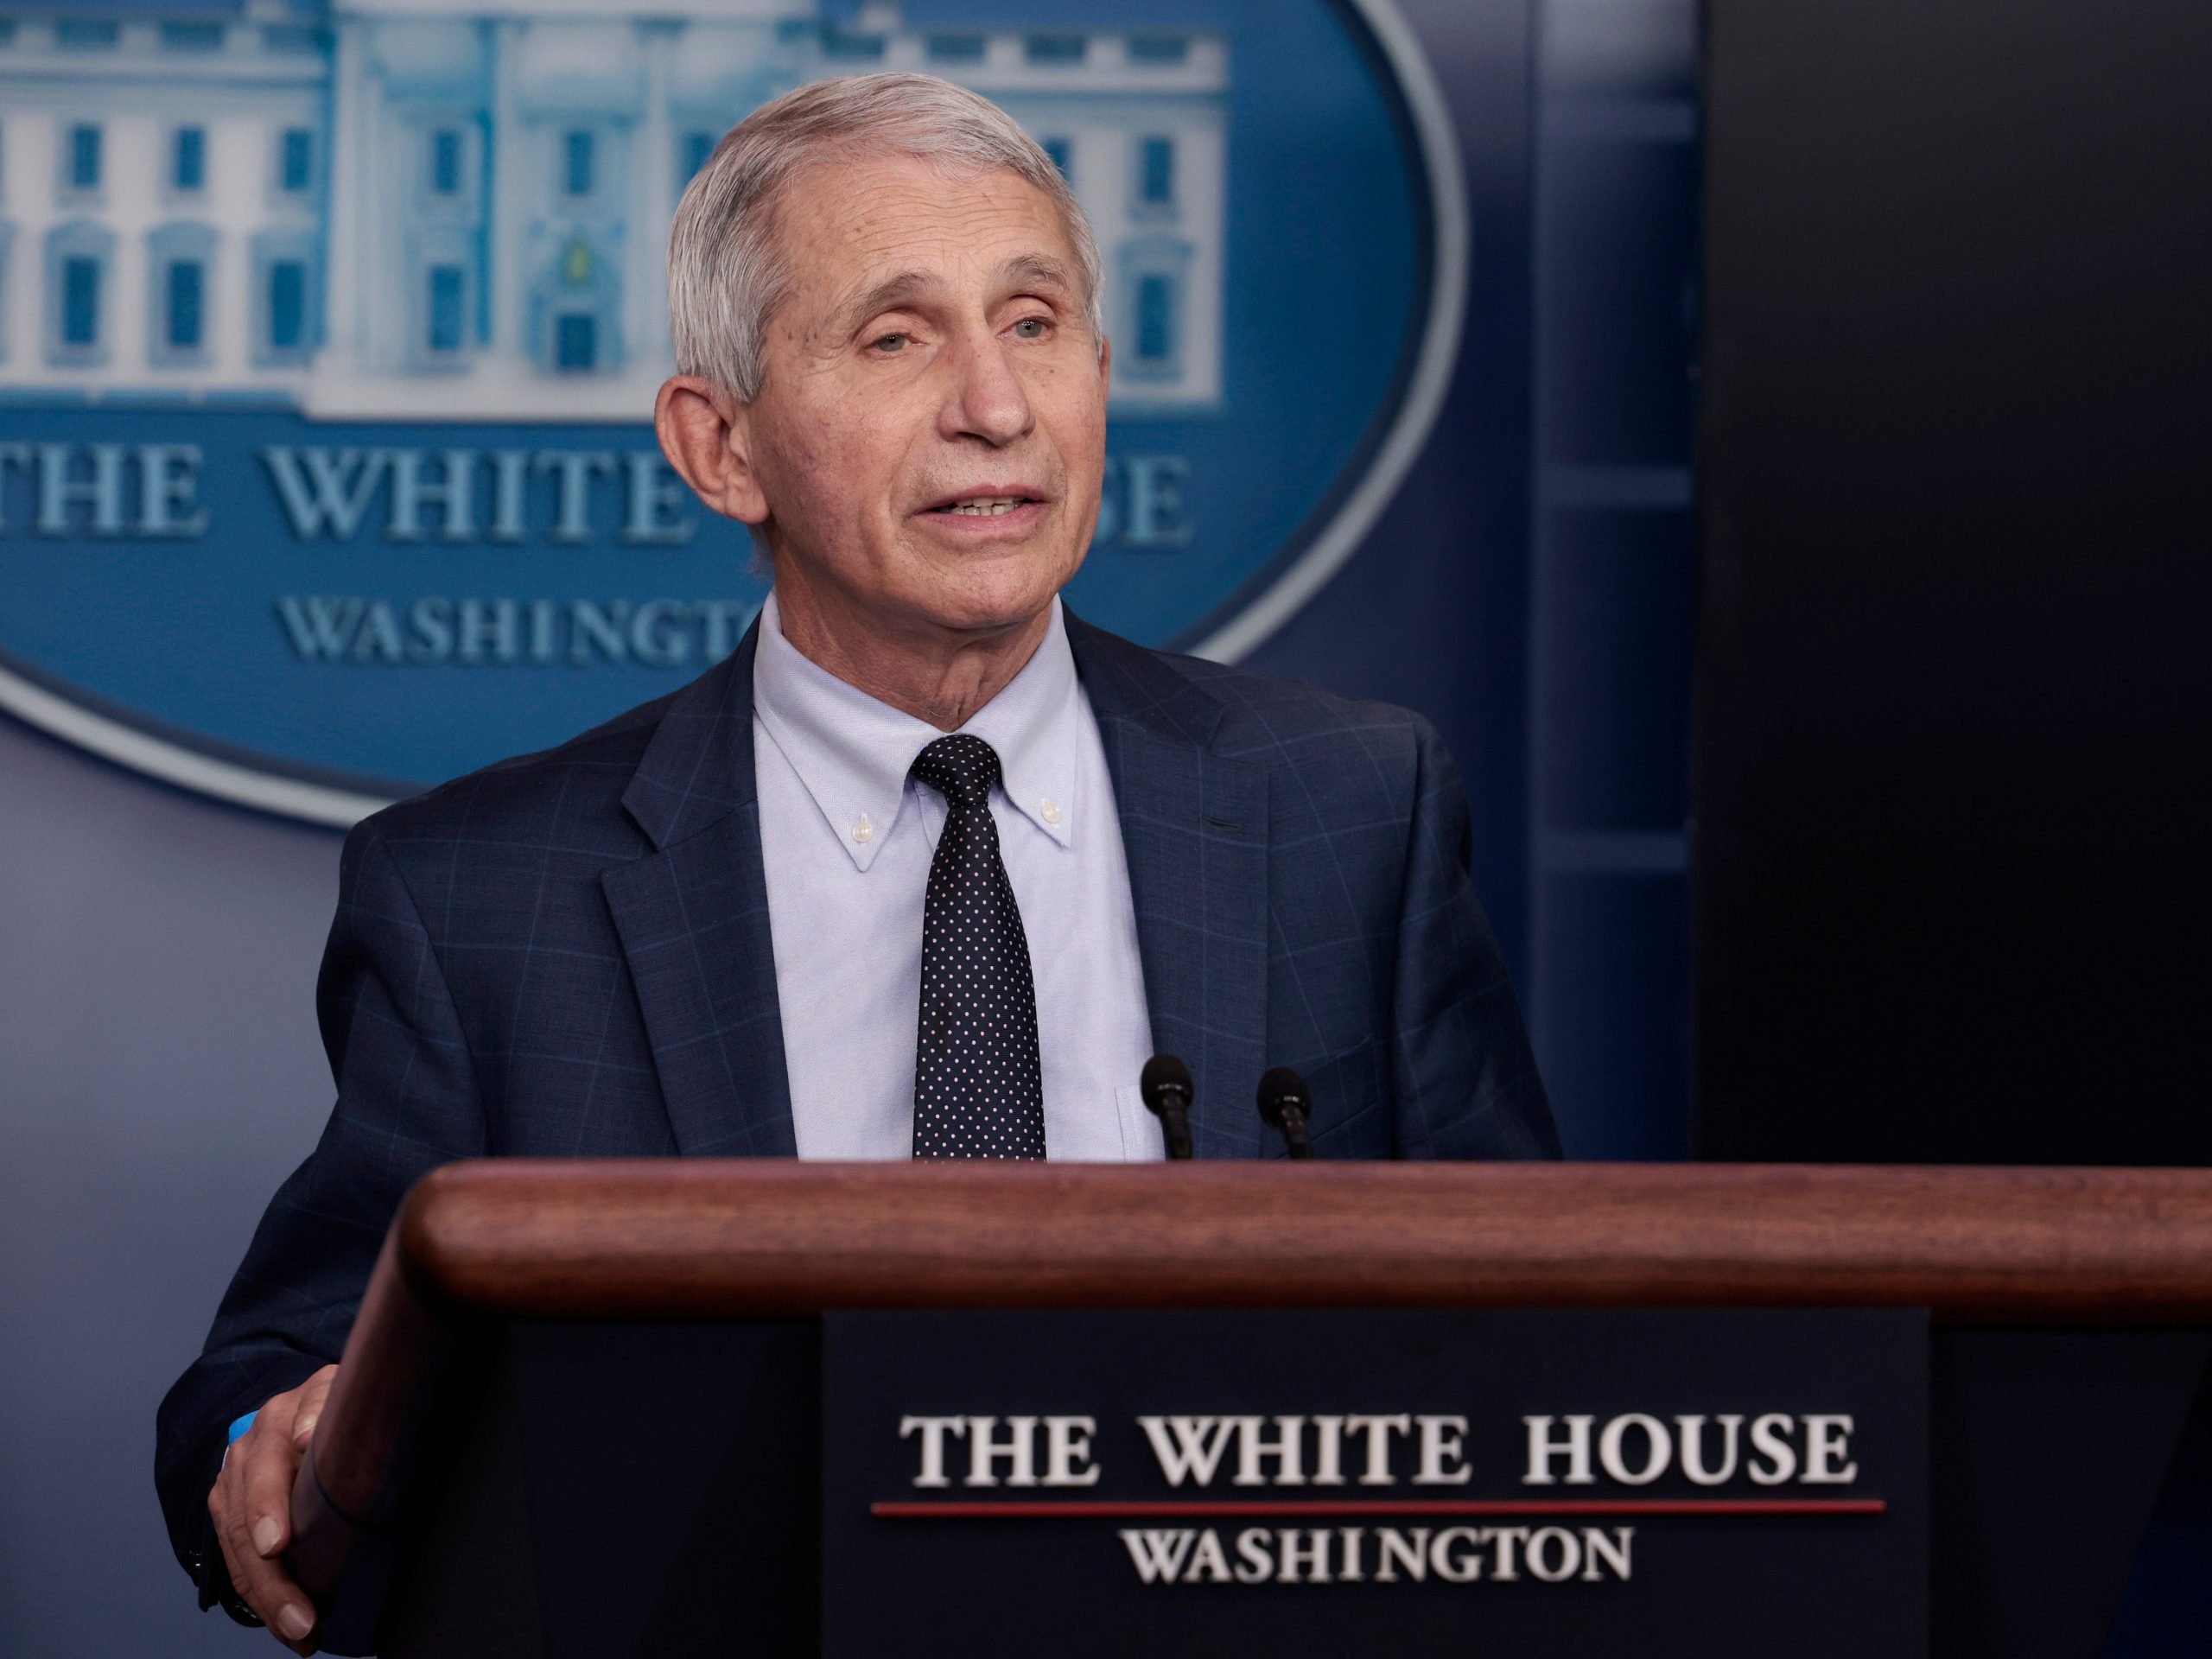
(899, 227)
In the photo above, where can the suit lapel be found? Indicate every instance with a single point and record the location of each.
(693, 918)
(1194, 830)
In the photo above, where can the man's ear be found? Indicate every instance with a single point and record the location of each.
(706, 439)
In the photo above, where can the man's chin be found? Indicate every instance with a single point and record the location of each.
(991, 592)
(984, 619)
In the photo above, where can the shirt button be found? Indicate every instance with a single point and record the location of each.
(863, 832)
(1050, 811)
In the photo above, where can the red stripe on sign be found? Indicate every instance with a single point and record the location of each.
(1078, 1511)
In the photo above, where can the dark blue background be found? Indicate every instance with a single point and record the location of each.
(1559, 672)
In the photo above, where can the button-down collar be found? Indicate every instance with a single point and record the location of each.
(853, 753)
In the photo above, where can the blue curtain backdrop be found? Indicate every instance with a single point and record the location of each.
(1531, 589)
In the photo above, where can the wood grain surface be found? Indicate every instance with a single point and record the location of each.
(657, 1239)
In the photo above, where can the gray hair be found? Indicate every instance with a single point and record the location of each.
(725, 278)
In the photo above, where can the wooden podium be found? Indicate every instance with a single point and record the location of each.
(535, 1446)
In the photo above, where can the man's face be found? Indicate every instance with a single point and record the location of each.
(931, 431)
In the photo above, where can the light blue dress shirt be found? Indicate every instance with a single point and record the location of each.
(846, 841)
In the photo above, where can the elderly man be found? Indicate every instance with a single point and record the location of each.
(927, 868)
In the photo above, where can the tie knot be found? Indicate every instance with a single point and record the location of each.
(961, 768)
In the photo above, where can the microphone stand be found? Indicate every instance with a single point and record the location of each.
(1168, 1091)
(1286, 1105)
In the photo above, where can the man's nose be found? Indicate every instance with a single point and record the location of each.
(986, 399)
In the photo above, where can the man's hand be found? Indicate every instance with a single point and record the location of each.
(252, 1505)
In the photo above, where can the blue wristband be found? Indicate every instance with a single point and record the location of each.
(240, 1427)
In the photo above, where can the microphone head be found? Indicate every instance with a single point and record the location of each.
(1164, 1075)
(1283, 1087)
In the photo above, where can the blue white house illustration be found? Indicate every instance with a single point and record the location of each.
(383, 209)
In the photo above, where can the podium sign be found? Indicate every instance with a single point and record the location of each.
(1324, 1483)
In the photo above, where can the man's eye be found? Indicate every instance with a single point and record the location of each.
(890, 343)
(1031, 328)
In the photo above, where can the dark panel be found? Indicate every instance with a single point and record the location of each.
(2047, 1449)
(1709, 1587)
(723, 1440)
(1621, 261)
(1614, 571)
(1951, 791)
(664, 1479)
(1621, 601)
(472, 1592)
(2168, 1605)
(1622, 939)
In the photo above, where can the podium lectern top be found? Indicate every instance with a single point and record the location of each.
(740, 1237)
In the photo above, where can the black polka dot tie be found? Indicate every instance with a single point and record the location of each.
(977, 1089)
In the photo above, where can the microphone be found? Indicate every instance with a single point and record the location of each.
(1286, 1103)
(1166, 1086)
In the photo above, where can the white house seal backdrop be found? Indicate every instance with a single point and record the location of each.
(329, 333)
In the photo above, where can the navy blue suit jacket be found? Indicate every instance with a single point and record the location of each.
(569, 954)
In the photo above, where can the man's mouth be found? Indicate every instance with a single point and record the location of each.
(982, 506)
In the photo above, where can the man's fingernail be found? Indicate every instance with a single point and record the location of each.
(304, 1427)
(266, 1532)
(295, 1621)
